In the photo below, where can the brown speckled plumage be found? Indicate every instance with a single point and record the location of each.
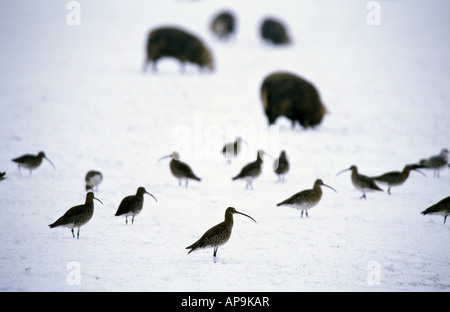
(217, 235)
(77, 216)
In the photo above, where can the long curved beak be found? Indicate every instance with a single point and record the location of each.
(50, 162)
(342, 171)
(152, 196)
(420, 171)
(245, 215)
(329, 187)
(98, 200)
(164, 157)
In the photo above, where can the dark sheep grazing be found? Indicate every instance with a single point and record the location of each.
(285, 94)
(177, 43)
(223, 25)
(274, 32)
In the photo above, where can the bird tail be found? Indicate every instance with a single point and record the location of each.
(191, 249)
(54, 224)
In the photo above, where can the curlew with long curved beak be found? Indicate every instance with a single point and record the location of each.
(217, 235)
(233, 149)
(132, 205)
(180, 170)
(252, 170)
(77, 216)
(361, 182)
(30, 161)
(395, 178)
(306, 199)
(436, 162)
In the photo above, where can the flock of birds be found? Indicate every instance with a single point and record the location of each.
(132, 205)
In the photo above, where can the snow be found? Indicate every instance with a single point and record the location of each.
(79, 94)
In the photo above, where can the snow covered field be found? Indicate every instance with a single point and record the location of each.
(78, 93)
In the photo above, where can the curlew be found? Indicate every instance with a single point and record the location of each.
(436, 162)
(252, 170)
(361, 182)
(77, 216)
(442, 207)
(31, 162)
(93, 178)
(281, 166)
(233, 149)
(217, 235)
(395, 178)
(181, 170)
(132, 205)
(306, 199)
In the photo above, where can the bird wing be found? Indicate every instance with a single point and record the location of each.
(218, 234)
(386, 177)
(249, 170)
(442, 205)
(182, 169)
(24, 158)
(126, 205)
(69, 217)
(303, 195)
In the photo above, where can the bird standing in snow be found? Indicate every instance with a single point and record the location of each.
(436, 162)
(132, 205)
(180, 170)
(217, 235)
(93, 178)
(395, 178)
(306, 199)
(30, 161)
(252, 170)
(233, 149)
(77, 216)
(442, 207)
(281, 166)
(361, 182)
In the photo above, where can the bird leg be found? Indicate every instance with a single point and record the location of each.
(132, 220)
(186, 183)
(215, 253)
(78, 234)
(73, 233)
(389, 190)
(126, 220)
(363, 196)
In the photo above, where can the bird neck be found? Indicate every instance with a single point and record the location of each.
(406, 171)
(318, 189)
(89, 204)
(229, 219)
